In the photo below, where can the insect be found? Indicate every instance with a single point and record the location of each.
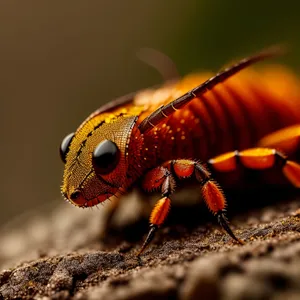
(158, 136)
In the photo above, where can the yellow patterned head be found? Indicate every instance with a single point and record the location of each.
(96, 159)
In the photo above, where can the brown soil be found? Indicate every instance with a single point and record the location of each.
(60, 256)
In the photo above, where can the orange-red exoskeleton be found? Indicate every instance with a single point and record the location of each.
(164, 134)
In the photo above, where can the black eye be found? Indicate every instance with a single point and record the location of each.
(105, 157)
(64, 147)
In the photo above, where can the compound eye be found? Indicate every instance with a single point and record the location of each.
(65, 146)
(105, 157)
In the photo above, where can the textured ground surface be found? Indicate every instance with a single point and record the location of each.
(60, 256)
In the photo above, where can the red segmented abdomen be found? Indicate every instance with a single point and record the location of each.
(234, 115)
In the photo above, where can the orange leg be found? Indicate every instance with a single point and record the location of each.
(257, 159)
(162, 178)
(158, 178)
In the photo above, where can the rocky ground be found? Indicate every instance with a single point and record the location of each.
(61, 255)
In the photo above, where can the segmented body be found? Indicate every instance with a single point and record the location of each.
(233, 116)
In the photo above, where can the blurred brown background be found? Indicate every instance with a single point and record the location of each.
(60, 60)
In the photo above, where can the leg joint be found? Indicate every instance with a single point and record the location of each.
(201, 173)
(280, 158)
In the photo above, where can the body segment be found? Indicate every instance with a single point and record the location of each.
(234, 115)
